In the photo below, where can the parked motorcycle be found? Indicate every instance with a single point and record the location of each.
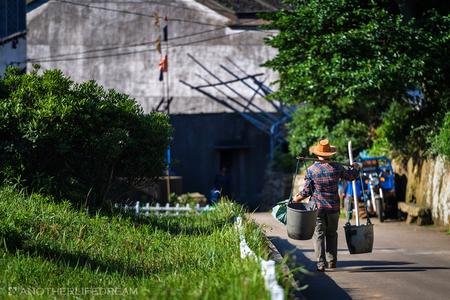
(379, 179)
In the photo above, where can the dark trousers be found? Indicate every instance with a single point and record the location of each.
(325, 238)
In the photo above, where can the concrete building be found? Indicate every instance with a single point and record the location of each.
(116, 43)
(13, 47)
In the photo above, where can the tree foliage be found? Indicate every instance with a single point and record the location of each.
(73, 140)
(441, 142)
(360, 59)
(311, 122)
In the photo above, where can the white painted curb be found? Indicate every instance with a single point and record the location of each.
(267, 266)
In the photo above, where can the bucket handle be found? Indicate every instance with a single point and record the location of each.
(293, 179)
(297, 166)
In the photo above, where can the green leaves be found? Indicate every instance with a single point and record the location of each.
(309, 123)
(441, 142)
(358, 57)
(72, 140)
(349, 130)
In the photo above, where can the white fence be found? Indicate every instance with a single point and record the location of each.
(165, 209)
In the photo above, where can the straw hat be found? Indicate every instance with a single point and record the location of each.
(323, 148)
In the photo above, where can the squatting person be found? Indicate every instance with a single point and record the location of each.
(321, 185)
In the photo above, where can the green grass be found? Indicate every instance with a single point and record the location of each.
(49, 248)
(342, 213)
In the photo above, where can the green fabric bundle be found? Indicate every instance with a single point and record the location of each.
(279, 211)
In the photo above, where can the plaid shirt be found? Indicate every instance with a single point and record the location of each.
(321, 183)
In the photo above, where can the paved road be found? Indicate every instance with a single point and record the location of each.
(407, 262)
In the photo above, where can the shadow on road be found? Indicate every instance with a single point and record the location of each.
(320, 285)
(395, 269)
(382, 266)
(369, 263)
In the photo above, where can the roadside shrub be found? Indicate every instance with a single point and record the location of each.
(441, 143)
(399, 128)
(283, 161)
(349, 130)
(309, 124)
(73, 140)
(381, 145)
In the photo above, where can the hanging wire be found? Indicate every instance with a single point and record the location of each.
(129, 12)
(59, 57)
(128, 52)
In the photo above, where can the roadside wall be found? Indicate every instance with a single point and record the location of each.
(428, 183)
(278, 186)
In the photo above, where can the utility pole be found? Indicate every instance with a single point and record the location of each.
(164, 68)
(167, 96)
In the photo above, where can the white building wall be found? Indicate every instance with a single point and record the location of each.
(117, 49)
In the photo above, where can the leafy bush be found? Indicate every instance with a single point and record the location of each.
(380, 145)
(309, 124)
(441, 143)
(349, 130)
(283, 161)
(406, 130)
(73, 140)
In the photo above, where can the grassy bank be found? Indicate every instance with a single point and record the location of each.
(53, 250)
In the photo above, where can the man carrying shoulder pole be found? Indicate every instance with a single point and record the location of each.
(321, 185)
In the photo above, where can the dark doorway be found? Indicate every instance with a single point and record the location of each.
(225, 159)
(232, 172)
(223, 180)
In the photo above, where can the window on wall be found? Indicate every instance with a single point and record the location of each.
(12, 17)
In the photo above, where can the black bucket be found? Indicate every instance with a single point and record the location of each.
(301, 221)
(359, 238)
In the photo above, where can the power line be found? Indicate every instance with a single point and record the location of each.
(130, 45)
(126, 46)
(164, 4)
(131, 13)
(92, 50)
(219, 27)
(132, 52)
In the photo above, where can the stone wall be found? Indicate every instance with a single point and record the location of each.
(278, 187)
(428, 184)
